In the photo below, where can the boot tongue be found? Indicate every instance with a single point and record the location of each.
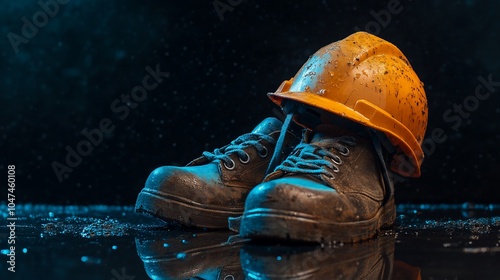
(268, 126)
(324, 131)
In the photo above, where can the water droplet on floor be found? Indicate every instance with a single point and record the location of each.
(90, 260)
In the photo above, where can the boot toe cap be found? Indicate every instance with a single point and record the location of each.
(306, 198)
(182, 182)
(288, 193)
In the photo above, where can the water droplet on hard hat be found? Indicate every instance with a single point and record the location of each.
(312, 73)
(321, 91)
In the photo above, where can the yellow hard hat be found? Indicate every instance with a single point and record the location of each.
(368, 80)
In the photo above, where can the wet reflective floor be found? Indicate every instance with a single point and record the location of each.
(111, 242)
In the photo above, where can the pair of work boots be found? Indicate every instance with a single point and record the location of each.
(333, 186)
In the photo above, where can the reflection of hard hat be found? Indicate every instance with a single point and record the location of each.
(367, 80)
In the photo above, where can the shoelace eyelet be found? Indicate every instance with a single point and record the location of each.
(264, 153)
(336, 169)
(246, 160)
(346, 153)
(336, 160)
(233, 165)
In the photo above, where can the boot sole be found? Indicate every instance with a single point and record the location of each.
(184, 211)
(263, 223)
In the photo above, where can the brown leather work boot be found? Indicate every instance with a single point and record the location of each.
(330, 189)
(213, 187)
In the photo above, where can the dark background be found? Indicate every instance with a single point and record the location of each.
(90, 52)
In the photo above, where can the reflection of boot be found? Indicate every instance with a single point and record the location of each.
(331, 188)
(206, 255)
(372, 259)
(212, 188)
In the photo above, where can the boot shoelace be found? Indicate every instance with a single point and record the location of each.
(237, 147)
(316, 159)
